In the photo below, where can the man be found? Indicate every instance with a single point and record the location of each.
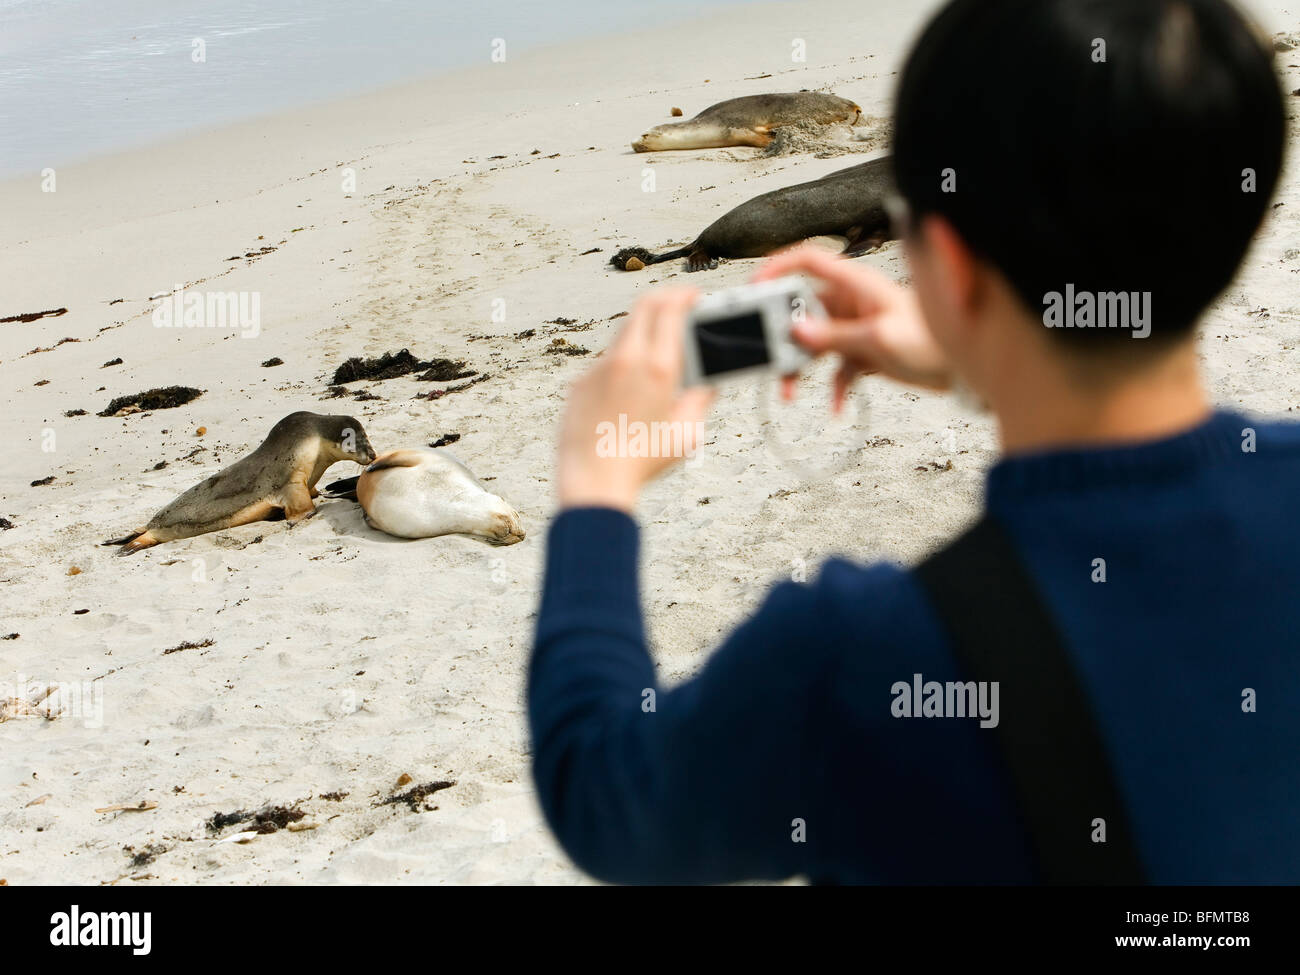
(1053, 156)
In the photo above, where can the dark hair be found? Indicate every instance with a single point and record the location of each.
(1117, 176)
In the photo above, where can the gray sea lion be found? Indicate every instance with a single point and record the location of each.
(278, 477)
(847, 203)
(421, 493)
(748, 121)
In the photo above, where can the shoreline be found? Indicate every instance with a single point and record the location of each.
(244, 76)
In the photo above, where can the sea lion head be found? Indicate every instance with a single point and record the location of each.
(676, 135)
(503, 524)
(346, 438)
(649, 142)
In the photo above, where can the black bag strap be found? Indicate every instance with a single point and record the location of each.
(1002, 631)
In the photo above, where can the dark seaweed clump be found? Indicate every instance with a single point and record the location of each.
(32, 316)
(274, 818)
(620, 259)
(459, 387)
(445, 370)
(160, 398)
(220, 821)
(267, 820)
(564, 347)
(414, 797)
(146, 856)
(190, 645)
(390, 365)
(387, 366)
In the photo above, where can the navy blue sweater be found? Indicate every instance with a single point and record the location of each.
(783, 757)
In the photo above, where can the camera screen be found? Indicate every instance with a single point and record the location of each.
(727, 344)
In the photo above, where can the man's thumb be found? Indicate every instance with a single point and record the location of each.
(814, 335)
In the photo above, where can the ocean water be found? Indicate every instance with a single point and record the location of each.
(79, 78)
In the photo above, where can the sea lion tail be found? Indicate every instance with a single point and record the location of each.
(346, 488)
(624, 258)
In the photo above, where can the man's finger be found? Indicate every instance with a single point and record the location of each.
(817, 335)
(667, 327)
(689, 411)
(634, 337)
(843, 381)
(855, 341)
(812, 260)
(853, 288)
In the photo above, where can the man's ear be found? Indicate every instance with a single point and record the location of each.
(957, 270)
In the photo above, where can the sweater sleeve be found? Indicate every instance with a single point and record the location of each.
(706, 782)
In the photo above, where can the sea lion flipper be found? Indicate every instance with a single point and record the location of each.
(346, 488)
(700, 260)
(257, 511)
(396, 458)
(297, 503)
(860, 242)
(125, 539)
(142, 540)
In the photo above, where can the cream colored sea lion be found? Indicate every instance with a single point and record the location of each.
(278, 477)
(419, 492)
(748, 121)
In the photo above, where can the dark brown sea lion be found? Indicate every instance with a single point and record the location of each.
(278, 477)
(847, 203)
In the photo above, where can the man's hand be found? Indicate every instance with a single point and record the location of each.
(874, 324)
(637, 379)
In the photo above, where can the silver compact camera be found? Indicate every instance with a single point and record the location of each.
(748, 327)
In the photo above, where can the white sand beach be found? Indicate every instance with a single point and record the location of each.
(487, 204)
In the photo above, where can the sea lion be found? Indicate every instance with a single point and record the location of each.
(278, 477)
(419, 492)
(748, 121)
(847, 203)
